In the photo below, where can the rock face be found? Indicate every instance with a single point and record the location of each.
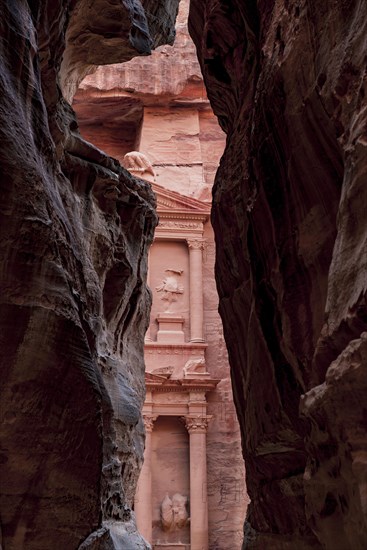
(75, 230)
(287, 81)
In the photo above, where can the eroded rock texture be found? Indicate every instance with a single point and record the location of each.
(288, 83)
(75, 228)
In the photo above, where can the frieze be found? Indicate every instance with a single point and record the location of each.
(180, 225)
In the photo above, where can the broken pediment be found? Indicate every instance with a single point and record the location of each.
(163, 371)
(169, 201)
(155, 378)
(180, 217)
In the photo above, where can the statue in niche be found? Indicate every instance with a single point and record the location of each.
(174, 514)
(170, 287)
(137, 162)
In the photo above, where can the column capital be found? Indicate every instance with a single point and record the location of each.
(149, 420)
(196, 244)
(196, 424)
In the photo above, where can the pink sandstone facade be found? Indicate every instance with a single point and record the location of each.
(152, 114)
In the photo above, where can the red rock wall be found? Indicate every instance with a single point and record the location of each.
(287, 81)
(75, 229)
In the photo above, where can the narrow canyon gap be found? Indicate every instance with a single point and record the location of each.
(155, 110)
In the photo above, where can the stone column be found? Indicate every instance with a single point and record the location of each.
(143, 497)
(196, 289)
(197, 427)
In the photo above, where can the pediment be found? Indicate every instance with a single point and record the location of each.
(154, 378)
(172, 201)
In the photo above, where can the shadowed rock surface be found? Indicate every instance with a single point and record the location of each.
(287, 81)
(75, 228)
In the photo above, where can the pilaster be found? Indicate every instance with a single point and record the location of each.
(196, 247)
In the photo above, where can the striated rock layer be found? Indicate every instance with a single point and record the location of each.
(287, 81)
(75, 229)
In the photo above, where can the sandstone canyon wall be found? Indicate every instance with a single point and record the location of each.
(287, 81)
(75, 229)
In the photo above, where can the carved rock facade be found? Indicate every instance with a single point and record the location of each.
(75, 229)
(288, 83)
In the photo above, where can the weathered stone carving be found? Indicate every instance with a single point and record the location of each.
(180, 225)
(174, 514)
(196, 244)
(171, 287)
(138, 163)
(196, 424)
(195, 366)
(164, 371)
(149, 420)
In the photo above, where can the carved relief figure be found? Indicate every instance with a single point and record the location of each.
(174, 512)
(138, 162)
(170, 287)
(195, 365)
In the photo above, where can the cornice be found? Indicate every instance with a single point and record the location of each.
(186, 346)
(183, 215)
(172, 201)
(181, 385)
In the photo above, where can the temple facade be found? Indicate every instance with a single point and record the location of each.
(172, 499)
(185, 404)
